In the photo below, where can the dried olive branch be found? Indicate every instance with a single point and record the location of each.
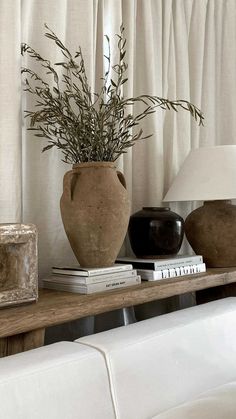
(88, 126)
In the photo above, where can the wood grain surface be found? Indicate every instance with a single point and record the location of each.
(22, 342)
(56, 307)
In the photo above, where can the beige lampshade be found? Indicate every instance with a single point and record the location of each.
(208, 173)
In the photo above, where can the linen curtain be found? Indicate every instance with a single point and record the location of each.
(10, 113)
(177, 49)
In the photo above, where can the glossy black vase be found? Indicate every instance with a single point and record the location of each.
(155, 231)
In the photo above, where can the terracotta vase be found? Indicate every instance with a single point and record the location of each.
(95, 211)
(211, 231)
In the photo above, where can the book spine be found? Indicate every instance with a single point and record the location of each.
(94, 271)
(151, 275)
(195, 260)
(159, 265)
(83, 280)
(104, 286)
(91, 288)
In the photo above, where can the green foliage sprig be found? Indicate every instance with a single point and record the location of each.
(88, 126)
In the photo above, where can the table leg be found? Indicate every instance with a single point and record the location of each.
(23, 342)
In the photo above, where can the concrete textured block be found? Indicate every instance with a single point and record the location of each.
(18, 264)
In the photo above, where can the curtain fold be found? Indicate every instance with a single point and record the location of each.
(177, 49)
(74, 23)
(10, 112)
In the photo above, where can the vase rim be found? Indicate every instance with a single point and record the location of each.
(94, 164)
(156, 208)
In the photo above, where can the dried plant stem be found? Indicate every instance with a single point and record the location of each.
(88, 126)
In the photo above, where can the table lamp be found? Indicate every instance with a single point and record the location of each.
(209, 174)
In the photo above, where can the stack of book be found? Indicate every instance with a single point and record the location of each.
(166, 267)
(90, 280)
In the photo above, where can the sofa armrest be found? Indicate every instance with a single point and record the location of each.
(165, 361)
(56, 381)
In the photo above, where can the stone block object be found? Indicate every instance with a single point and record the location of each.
(18, 264)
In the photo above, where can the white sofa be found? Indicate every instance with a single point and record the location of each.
(176, 366)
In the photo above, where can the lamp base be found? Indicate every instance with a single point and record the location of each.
(211, 231)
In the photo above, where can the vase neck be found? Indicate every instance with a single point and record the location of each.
(156, 208)
(87, 165)
(218, 202)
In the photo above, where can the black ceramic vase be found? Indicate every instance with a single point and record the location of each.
(155, 231)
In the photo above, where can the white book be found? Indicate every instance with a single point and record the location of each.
(74, 279)
(150, 275)
(165, 262)
(77, 270)
(92, 288)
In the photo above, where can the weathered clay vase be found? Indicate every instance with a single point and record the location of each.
(95, 211)
(211, 231)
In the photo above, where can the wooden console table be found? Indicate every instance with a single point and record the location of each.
(23, 327)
